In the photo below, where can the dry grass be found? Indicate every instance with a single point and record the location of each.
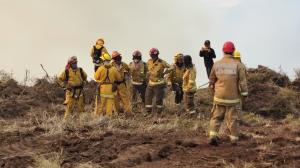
(52, 162)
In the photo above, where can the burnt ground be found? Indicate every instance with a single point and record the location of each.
(117, 143)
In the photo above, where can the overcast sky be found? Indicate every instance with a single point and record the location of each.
(47, 32)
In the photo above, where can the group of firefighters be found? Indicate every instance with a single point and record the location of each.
(148, 80)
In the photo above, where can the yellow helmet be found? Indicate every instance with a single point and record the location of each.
(178, 56)
(106, 57)
(236, 54)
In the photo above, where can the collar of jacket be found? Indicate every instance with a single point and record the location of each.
(228, 56)
(157, 60)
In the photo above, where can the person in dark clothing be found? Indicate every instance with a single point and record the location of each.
(208, 54)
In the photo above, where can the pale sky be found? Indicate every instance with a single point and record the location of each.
(47, 32)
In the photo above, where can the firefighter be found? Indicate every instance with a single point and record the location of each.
(138, 71)
(122, 92)
(208, 55)
(228, 83)
(97, 52)
(106, 75)
(73, 79)
(189, 84)
(175, 78)
(157, 69)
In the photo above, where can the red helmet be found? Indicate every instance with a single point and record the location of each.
(153, 51)
(115, 54)
(136, 53)
(228, 47)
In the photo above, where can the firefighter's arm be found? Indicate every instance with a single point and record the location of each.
(170, 77)
(62, 79)
(192, 79)
(242, 80)
(97, 74)
(104, 50)
(84, 77)
(117, 75)
(167, 67)
(212, 79)
(92, 52)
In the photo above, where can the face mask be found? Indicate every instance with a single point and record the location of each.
(106, 62)
(74, 66)
(179, 64)
(154, 57)
(136, 60)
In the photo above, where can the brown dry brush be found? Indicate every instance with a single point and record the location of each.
(272, 94)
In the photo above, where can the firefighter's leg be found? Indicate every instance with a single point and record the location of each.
(177, 94)
(180, 94)
(101, 106)
(190, 106)
(217, 117)
(231, 122)
(142, 90)
(124, 96)
(117, 101)
(159, 95)
(109, 102)
(69, 105)
(134, 95)
(80, 104)
(149, 98)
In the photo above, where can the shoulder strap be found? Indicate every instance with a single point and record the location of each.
(67, 75)
(107, 74)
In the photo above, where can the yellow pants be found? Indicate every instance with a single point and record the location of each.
(106, 106)
(122, 96)
(71, 102)
(230, 114)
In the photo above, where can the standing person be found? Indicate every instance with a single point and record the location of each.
(208, 54)
(138, 71)
(189, 84)
(73, 79)
(106, 75)
(97, 52)
(175, 78)
(157, 69)
(122, 92)
(228, 83)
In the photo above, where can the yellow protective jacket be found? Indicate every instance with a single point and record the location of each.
(138, 72)
(106, 75)
(123, 69)
(98, 47)
(228, 81)
(76, 78)
(157, 70)
(176, 75)
(189, 80)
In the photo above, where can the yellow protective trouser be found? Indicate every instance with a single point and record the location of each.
(122, 96)
(108, 105)
(218, 114)
(71, 102)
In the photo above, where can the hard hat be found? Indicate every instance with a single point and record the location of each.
(153, 51)
(178, 56)
(72, 60)
(228, 47)
(106, 57)
(115, 54)
(136, 53)
(236, 54)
